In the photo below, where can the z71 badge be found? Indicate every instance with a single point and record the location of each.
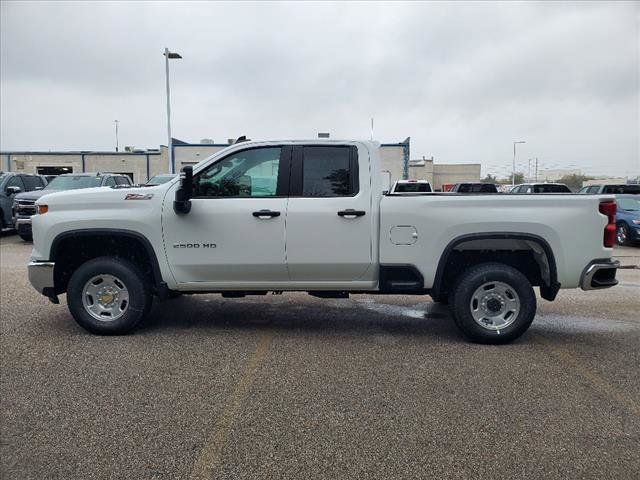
(194, 245)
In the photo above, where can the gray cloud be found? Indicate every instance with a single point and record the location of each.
(462, 79)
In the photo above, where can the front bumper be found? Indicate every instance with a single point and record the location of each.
(599, 274)
(41, 277)
(23, 226)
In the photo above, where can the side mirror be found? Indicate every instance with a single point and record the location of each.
(182, 202)
(12, 190)
(386, 181)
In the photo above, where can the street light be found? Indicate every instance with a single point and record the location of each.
(513, 170)
(116, 122)
(167, 55)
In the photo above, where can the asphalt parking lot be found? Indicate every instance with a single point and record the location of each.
(296, 387)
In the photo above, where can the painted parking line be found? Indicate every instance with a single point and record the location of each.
(211, 454)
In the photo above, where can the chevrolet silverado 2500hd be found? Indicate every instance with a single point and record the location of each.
(311, 216)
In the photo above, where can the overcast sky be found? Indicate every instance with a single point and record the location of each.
(462, 80)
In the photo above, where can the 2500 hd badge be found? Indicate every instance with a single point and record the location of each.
(194, 245)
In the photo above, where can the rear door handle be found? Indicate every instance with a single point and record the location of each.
(266, 214)
(351, 213)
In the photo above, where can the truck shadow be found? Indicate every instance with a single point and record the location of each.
(300, 314)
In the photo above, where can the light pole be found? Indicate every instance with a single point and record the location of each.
(116, 122)
(513, 171)
(167, 55)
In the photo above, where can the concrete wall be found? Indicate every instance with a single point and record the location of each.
(391, 158)
(455, 173)
(192, 154)
(124, 162)
(391, 155)
(439, 174)
(29, 162)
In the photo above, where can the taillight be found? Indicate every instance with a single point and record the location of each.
(608, 208)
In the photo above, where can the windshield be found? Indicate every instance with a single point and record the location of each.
(628, 203)
(72, 182)
(413, 187)
(160, 179)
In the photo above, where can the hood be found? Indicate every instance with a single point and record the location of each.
(34, 194)
(101, 197)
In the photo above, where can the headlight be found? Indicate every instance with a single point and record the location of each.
(42, 209)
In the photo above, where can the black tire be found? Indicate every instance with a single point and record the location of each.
(462, 295)
(26, 237)
(139, 295)
(622, 234)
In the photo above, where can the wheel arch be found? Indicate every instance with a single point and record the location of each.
(540, 250)
(108, 241)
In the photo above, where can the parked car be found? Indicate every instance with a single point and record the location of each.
(474, 188)
(326, 228)
(160, 179)
(628, 219)
(411, 187)
(12, 184)
(24, 203)
(541, 188)
(611, 188)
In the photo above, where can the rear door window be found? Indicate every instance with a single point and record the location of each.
(329, 171)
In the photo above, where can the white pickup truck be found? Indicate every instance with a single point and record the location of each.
(313, 216)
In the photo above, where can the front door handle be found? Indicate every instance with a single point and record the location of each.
(351, 213)
(263, 214)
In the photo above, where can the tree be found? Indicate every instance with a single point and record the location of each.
(519, 178)
(573, 181)
(489, 179)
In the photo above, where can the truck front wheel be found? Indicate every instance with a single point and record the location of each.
(492, 303)
(108, 296)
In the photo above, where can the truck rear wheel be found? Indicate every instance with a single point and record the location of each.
(493, 303)
(108, 296)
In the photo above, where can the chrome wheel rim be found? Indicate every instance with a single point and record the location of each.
(622, 234)
(495, 306)
(105, 297)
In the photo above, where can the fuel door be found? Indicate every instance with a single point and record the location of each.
(404, 235)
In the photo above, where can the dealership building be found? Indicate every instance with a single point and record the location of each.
(140, 165)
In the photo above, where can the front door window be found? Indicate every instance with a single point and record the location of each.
(249, 173)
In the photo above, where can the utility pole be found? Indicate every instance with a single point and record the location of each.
(167, 55)
(536, 169)
(513, 170)
(371, 128)
(117, 145)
